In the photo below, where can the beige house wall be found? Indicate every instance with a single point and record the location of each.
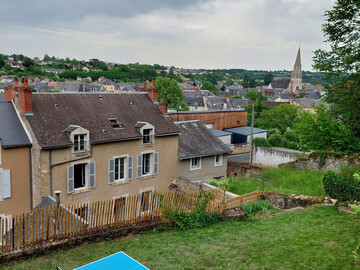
(17, 161)
(167, 148)
(208, 169)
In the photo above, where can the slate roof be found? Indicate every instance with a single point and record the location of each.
(280, 82)
(196, 140)
(215, 102)
(245, 130)
(220, 133)
(307, 103)
(91, 111)
(12, 133)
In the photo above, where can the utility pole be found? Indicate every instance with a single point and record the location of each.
(252, 133)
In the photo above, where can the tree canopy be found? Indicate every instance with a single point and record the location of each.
(206, 85)
(169, 91)
(253, 95)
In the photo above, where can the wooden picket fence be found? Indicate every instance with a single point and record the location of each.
(58, 222)
(240, 200)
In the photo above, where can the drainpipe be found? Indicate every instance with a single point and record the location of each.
(30, 180)
(50, 170)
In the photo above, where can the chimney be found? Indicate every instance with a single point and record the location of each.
(57, 196)
(25, 99)
(197, 89)
(24, 82)
(205, 102)
(227, 97)
(16, 81)
(153, 83)
(9, 93)
(145, 85)
(163, 107)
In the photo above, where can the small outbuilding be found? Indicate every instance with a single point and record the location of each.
(243, 134)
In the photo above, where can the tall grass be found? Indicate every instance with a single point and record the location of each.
(282, 180)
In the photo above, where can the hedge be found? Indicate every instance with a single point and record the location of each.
(341, 187)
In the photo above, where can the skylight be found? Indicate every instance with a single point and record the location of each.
(115, 123)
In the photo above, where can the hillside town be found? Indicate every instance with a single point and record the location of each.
(127, 166)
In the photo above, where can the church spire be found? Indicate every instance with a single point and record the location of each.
(296, 75)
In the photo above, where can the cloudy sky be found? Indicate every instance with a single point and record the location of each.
(250, 34)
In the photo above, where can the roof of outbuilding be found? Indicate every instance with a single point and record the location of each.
(55, 112)
(245, 130)
(12, 133)
(220, 133)
(196, 140)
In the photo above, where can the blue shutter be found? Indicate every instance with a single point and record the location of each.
(130, 167)
(139, 166)
(5, 184)
(111, 178)
(156, 163)
(70, 179)
(92, 175)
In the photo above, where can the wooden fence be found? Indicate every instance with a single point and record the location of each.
(66, 221)
(238, 201)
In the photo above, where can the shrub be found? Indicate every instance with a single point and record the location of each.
(253, 207)
(275, 140)
(261, 142)
(197, 218)
(341, 187)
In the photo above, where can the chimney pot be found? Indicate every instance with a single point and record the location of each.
(16, 81)
(144, 84)
(153, 83)
(57, 196)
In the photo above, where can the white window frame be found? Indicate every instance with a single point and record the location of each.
(220, 162)
(150, 127)
(77, 142)
(195, 167)
(147, 138)
(80, 131)
(154, 162)
(126, 168)
(151, 157)
(88, 174)
(86, 168)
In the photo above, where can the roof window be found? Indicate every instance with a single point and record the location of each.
(115, 123)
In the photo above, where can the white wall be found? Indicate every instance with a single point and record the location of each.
(273, 157)
(259, 135)
(225, 139)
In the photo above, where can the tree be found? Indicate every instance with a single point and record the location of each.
(209, 86)
(258, 109)
(229, 82)
(169, 91)
(341, 63)
(47, 57)
(245, 81)
(282, 118)
(253, 95)
(268, 78)
(222, 88)
(28, 62)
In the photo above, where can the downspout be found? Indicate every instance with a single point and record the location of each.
(30, 180)
(50, 169)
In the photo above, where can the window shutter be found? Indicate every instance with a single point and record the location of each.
(92, 175)
(130, 167)
(139, 166)
(156, 163)
(70, 179)
(6, 184)
(111, 179)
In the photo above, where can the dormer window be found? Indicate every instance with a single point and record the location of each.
(148, 136)
(115, 123)
(80, 142)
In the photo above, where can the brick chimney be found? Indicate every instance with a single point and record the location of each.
(197, 89)
(145, 85)
(9, 93)
(163, 107)
(228, 97)
(23, 99)
(153, 83)
(16, 81)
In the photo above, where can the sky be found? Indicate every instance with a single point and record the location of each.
(211, 34)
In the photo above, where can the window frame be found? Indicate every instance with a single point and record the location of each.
(220, 162)
(149, 161)
(117, 171)
(195, 167)
(85, 176)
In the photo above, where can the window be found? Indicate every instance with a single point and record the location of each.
(80, 176)
(218, 160)
(146, 169)
(5, 184)
(120, 168)
(148, 136)
(80, 143)
(147, 164)
(145, 201)
(119, 208)
(195, 163)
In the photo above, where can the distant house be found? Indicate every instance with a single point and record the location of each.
(53, 70)
(243, 134)
(201, 154)
(14, 64)
(97, 146)
(15, 160)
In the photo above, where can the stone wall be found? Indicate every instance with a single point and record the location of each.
(274, 156)
(244, 169)
(324, 161)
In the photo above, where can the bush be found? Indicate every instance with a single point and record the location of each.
(275, 140)
(261, 142)
(253, 207)
(341, 187)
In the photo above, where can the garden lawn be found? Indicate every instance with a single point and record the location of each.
(315, 238)
(281, 180)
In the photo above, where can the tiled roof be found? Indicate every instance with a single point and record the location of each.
(55, 112)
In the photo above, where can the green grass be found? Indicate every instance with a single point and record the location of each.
(315, 238)
(282, 180)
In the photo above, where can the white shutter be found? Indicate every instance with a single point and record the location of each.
(70, 179)
(111, 178)
(5, 184)
(92, 175)
(130, 167)
(139, 166)
(156, 163)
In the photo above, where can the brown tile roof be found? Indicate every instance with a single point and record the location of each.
(53, 113)
(196, 140)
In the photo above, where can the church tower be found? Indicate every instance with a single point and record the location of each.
(296, 76)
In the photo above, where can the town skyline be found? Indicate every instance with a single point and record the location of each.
(261, 35)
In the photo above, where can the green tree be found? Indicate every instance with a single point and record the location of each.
(169, 91)
(253, 95)
(209, 86)
(259, 107)
(341, 64)
(282, 118)
(245, 81)
(268, 78)
(47, 57)
(222, 88)
(28, 62)
(229, 82)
